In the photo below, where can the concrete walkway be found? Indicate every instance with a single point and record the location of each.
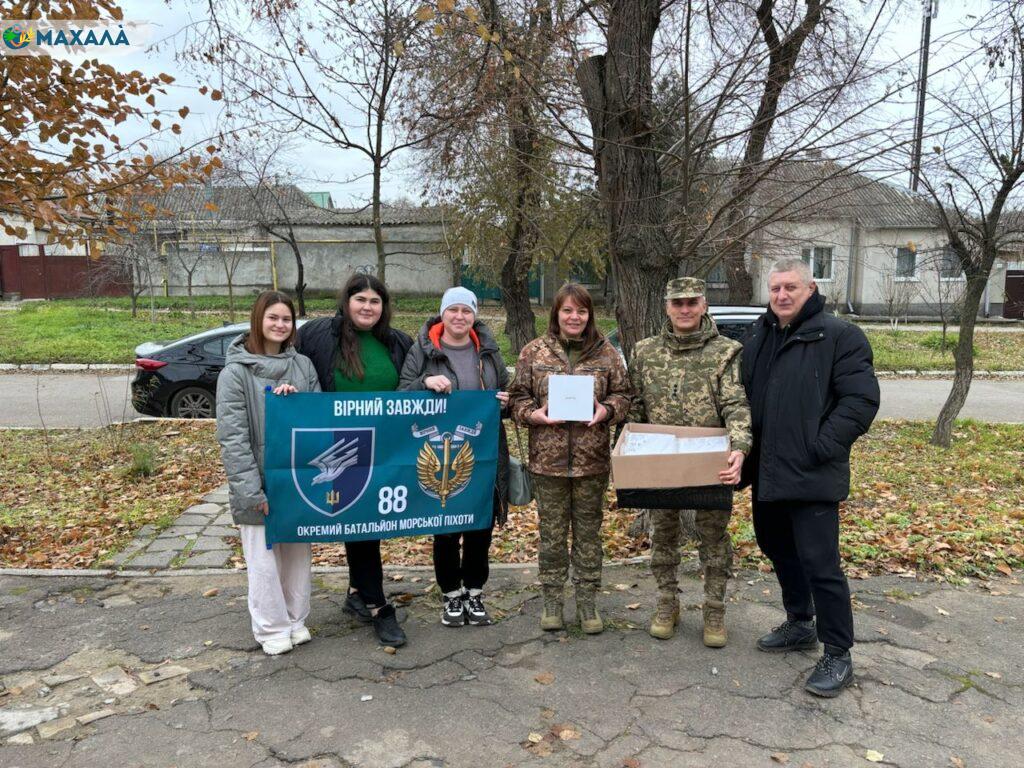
(162, 671)
(196, 540)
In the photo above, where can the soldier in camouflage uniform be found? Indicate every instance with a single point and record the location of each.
(689, 375)
(569, 461)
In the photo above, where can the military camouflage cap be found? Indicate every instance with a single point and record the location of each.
(684, 288)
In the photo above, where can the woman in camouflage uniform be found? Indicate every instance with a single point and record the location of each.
(569, 462)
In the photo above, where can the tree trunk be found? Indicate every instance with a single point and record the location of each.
(964, 356)
(782, 58)
(522, 233)
(300, 279)
(230, 274)
(137, 287)
(378, 229)
(741, 284)
(152, 296)
(616, 90)
(520, 322)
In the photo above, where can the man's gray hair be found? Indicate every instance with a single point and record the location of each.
(799, 266)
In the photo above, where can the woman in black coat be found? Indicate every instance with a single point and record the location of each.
(357, 350)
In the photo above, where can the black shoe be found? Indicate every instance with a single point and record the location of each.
(385, 626)
(356, 608)
(790, 636)
(476, 614)
(831, 674)
(454, 612)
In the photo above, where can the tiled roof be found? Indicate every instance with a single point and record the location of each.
(272, 205)
(816, 189)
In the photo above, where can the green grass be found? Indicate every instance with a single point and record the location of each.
(922, 351)
(316, 301)
(82, 331)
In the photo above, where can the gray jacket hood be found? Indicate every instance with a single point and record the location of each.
(263, 366)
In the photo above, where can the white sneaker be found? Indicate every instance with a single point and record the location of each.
(276, 646)
(300, 636)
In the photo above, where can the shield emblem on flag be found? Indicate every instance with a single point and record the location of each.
(331, 468)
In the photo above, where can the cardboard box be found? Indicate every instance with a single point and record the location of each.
(671, 481)
(684, 470)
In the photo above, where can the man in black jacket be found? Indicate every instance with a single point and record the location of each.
(813, 392)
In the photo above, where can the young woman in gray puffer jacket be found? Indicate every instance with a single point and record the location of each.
(279, 578)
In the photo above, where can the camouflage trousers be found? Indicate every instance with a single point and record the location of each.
(570, 505)
(715, 550)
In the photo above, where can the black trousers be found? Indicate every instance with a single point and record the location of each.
(365, 571)
(801, 538)
(461, 559)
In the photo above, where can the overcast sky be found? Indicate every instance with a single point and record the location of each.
(336, 171)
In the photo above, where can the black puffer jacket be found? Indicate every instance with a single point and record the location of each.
(812, 392)
(318, 340)
(426, 358)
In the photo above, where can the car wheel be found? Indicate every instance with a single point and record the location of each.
(192, 403)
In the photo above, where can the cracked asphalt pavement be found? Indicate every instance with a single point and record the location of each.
(163, 671)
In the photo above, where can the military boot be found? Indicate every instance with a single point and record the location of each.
(715, 635)
(551, 619)
(586, 611)
(666, 616)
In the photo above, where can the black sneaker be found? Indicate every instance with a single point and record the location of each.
(385, 626)
(356, 608)
(790, 636)
(476, 614)
(454, 612)
(831, 674)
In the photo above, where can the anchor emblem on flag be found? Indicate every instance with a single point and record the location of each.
(439, 474)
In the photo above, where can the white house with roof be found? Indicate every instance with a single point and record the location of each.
(873, 247)
(208, 229)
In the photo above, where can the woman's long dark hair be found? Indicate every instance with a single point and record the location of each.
(351, 363)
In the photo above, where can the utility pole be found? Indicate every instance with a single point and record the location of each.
(930, 9)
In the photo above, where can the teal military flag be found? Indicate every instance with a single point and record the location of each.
(348, 467)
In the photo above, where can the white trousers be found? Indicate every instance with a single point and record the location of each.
(279, 584)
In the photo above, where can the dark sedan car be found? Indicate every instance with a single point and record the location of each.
(179, 378)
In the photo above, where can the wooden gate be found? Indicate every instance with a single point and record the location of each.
(1013, 304)
(27, 270)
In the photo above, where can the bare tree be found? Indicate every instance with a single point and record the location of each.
(340, 92)
(941, 289)
(974, 173)
(255, 161)
(189, 258)
(897, 293)
(230, 253)
(136, 261)
(769, 82)
(492, 151)
(617, 90)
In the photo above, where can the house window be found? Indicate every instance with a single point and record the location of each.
(906, 264)
(949, 265)
(819, 258)
(717, 277)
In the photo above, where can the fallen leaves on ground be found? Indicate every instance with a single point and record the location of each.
(913, 509)
(67, 497)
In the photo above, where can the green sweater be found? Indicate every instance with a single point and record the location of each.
(379, 374)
